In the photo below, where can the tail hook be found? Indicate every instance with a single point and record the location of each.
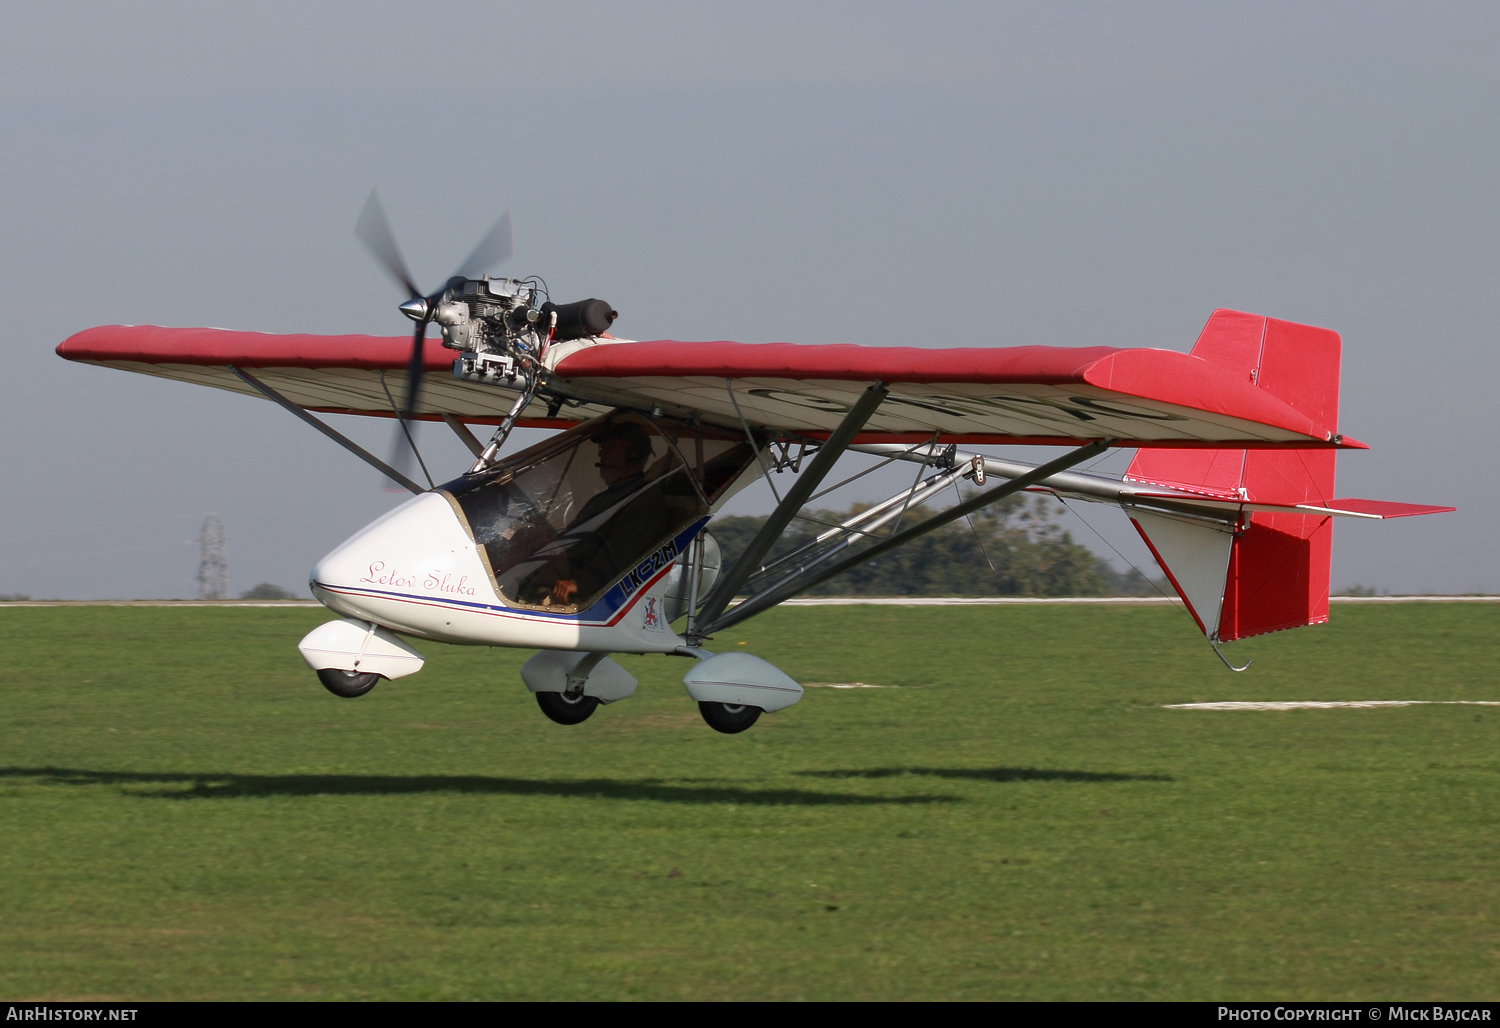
(1225, 659)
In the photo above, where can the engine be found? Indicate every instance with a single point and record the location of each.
(502, 326)
(489, 315)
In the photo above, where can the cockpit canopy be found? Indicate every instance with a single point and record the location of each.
(562, 521)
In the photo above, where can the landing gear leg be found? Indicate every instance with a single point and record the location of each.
(729, 718)
(566, 708)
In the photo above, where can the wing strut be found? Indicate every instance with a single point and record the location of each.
(464, 435)
(338, 437)
(796, 496)
(802, 580)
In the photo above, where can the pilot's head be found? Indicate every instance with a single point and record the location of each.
(624, 448)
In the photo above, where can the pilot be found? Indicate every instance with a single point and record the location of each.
(624, 448)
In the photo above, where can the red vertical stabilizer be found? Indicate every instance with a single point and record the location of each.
(1278, 564)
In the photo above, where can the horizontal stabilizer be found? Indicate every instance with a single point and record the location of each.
(1377, 508)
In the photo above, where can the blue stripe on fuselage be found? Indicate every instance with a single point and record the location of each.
(619, 595)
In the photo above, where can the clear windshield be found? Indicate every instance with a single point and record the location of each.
(563, 520)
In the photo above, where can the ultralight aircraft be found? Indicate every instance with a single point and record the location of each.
(594, 540)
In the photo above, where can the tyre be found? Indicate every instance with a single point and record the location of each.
(347, 684)
(566, 709)
(729, 718)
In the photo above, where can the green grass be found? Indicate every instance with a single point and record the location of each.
(186, 813)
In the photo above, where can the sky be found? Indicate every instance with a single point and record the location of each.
(929, 174)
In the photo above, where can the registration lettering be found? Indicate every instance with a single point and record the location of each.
(644, 571)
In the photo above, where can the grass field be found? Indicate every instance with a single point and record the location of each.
(186, 813)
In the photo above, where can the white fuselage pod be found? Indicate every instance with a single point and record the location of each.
(416, 570)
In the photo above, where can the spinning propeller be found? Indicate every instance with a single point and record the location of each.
(374, 230)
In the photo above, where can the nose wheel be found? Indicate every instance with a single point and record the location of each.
(347, 684)
(566, 708)
(729, 718)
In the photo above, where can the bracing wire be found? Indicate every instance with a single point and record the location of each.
(1112, 547)
(858, 475)
(977, 539)
(406, 431)
(912, 491)
(1211, 642)
(759, 454)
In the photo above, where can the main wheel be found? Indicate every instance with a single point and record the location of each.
(347, 684)
(566, 709)
(729, 718)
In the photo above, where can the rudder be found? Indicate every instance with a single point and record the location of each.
(1276, 565)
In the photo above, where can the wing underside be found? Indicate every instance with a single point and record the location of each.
(367, 392)
(1039, 395)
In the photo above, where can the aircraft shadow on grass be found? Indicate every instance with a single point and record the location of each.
(990, 774)
(209, 785)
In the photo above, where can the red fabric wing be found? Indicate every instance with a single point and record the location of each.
(150, 344)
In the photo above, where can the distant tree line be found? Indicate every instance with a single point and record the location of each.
(268, 591)
(1011, 548)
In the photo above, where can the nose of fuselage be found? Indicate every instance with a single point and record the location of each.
(403, 567)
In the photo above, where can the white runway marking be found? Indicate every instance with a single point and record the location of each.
(1325, 704)
(845, 685)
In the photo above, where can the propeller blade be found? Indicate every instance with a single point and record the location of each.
(375, 232)
(414, 370)
(493, 249)
(404, 444)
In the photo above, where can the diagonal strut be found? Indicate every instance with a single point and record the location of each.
(793, 585)
(822, 463)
